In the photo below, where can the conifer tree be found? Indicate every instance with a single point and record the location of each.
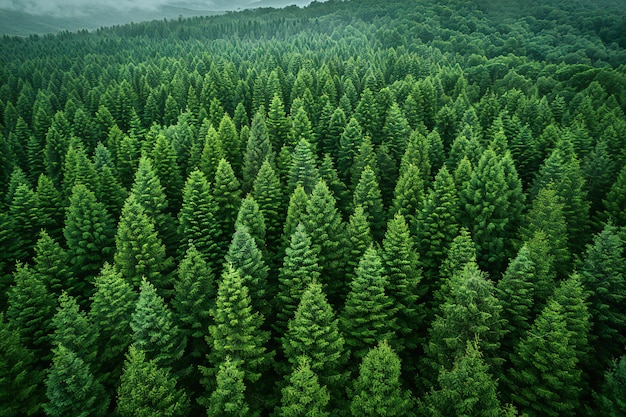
(401, 266)
(349, 143)
(23, 224)
(368, 315)
(197, 220)
(417, 153)
(112, 306)
(364, 156)
(468, 389)
(250, 217)
(21, 384)
(377, 391)
(51, 264)
(367, 194)
(462, 251)
(258, 149)
(147, 390)
(615, 200)
(154, 331)
(236, 332)
(167, 170)
(278, 124)
(140, 252)
(329, 174)
(72, 389)
(314, 333)
(30, 309)
(74, 330)
(324, 225)
(50, 207)
(227, 198)
(470, 312)
(89, 235)
(612, 399)
(228, 399)
(336, 127)
(212, 152)
(304, 396)
(396, 131)
(267, 192)
(303, 170)
(409, 194)
(296, 214)
(299, 269)
(358, 239)
(78, 169)
(544, 378)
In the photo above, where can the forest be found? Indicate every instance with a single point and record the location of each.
(355, 208)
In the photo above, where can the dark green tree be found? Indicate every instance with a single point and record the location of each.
(51, 213)
(147, 390)
(258, 149)
(228, 399)
(365, 156)
(72, 389)
(615, 200)
(267, 192)
(251, 218)
(166, 168)
(304, 396)
(303, 169)
(611, 399)
(227, 198)
(358, 238)
(23, 224)
(296, 214)
(51, 264)
(367, 194)
(462, 251)
(278, 124)
(74, 330)
(409, 194)
(349, 143)
(368, 315)
(378, 391)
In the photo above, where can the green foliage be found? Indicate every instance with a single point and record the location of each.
(227, 199)
(377, 391)
(367, 195)
(258, 149)
(267, 192)
(74, 330)
(611, 399)
(147, 390)
(228, 398)
(51, 264)
(303, 167)
(304, 396)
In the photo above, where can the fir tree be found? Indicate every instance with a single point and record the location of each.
(154, 331)
(462, 251)
(50, 207)
(612, 399)
(304, 396)
(367, 194)
(227, 199)
(409, 194)
(368, 316)
(377, 391)
(251, 218)
(228, 399)
(329, 174)
(23, 224)
(349, 143)
(358, 238)
(167, 170)
(71, 387)
(278, 124)
(365, 156)
(267, 192)
(74, 330)
(51, 264)
(303, 167)
(148, 390)
(258, 149)
(615, 200)
(296, 214)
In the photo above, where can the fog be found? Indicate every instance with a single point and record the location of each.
(76, 8)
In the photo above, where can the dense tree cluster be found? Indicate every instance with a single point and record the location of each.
(356, 208)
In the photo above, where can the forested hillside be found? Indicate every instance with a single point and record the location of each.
(364, 208)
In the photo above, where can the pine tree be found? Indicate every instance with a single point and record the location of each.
(377, 391)
(612, 399)
(21, 384)
(358, 238)
(603, 279)
(30, 309)
(462, 251)
(250, 217)
(468, 389)
(278, 124)
(401, 266)
(227, 198)
(154, 331)
(368, 315)
(323, 223)
(296, 214)
(304, 396)
(74, 330)
(112, 306)
(314, 333)
(228, 399)
(615, 200)
(72, 389)
(471, 312)
(140, 252)
(258, 149)
(409, 194)
(50, 207)
(267, 192)
(367, 194)
(364, 156)
(148, 390)
(417, 153)
(349, 143)
(167, 170)
(329, 174)
(303, 169)
(212, 152)
(51, 264)
(544, 378)
(299, 269)
(197, 221)
(23, 224)
(396, 131)
(236, 331)
(89, 234)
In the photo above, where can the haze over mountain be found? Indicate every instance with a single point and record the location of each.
(24, 17)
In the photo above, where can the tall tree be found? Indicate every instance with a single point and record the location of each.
(258, 149)
(74, 330)
(367, 194)
(51, 264)
(166, 168)
(146, 389)
(303, 169)
(227, 198)
(267, 192)
(409, 194)
(378, 391)
(228, 399)
(304, 396)
(611, 399)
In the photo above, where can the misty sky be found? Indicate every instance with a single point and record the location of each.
(85, 7)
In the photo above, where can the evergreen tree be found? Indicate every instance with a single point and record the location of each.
(251, 218)
(329, 174)
(148, 390)
(72, 389)
(74, 330)
(112, 306)
(227, 199)
(544, 378)
(51, 264)
(278, 124)
(258, 149)
(236, 332)
(417, 153)
(314, 333)
(267, 192)
(50, 207)
(612, 399)
(462, 251)
(228, 399)
(20, 382)
(167, 170)
(358, 238)
(304, 396)
(299, 269)
(377, 391)
(365, 156)
(349, 143)
(154, 331)
(615, 200)
(468, 389)
(197, 221)
(23, 224)
(212, 152)
(409, 194)
(296, 214)
(367, 317)
(303, 167)
(89, 234)
(367, 194)
(140, 253)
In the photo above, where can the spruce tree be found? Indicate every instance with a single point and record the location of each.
(154, 330)
(612, 399)
(228, 399)
(300, 268)
(50, 207)
(349, 143)
(251, 218)
(358, 238)
(89, 235)
(167, 169)
(23, 224)
(303, 170)
(51, 264)
(147, 390)
(409, 194)
(329, 174)
(267, 192)
(258, 149)
(368, 315)
(304, 396)
(227, 199)
(314, 332)
(378, 391)
(72, 389)
(615, 200)
(296, 214)
(462, 251)
(112, 306)
(365, 156)
(367, 194)
(278, 124)
(74, 330)
(212, 152)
